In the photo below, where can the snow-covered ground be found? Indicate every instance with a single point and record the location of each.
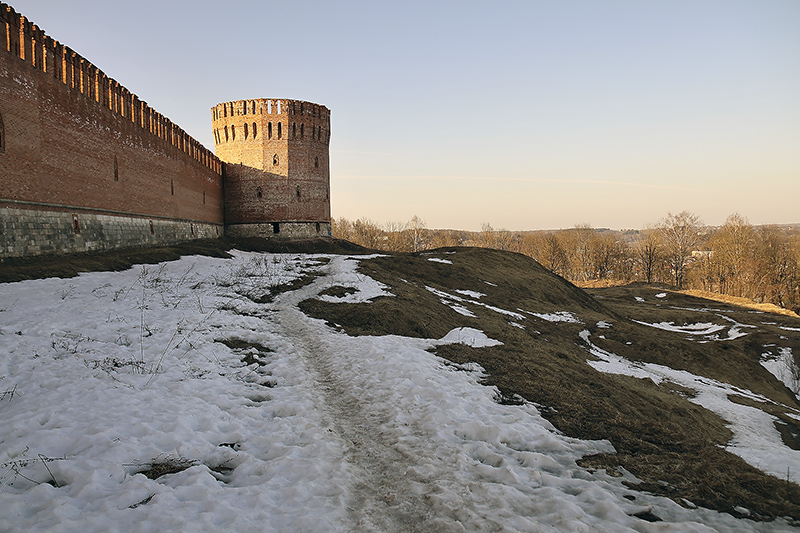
(284, 423)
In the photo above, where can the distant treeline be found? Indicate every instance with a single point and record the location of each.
(761, 263)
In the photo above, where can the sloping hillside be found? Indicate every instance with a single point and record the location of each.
(560, 349)
(456, 390)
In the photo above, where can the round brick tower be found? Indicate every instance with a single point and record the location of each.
(276, 172)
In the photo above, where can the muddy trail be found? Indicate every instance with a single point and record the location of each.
(391, 488)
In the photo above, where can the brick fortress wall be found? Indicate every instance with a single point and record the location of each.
(85, 164)
(277, 173)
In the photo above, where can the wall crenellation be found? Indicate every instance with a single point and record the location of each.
(22, 39)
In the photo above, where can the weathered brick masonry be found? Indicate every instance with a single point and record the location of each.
(277, 166)
(85, 164)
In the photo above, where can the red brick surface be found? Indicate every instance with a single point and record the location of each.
(74, 137)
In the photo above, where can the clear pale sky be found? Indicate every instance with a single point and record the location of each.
(523, 114)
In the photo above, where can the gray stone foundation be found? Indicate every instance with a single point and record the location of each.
(280, 230)
(29, 232)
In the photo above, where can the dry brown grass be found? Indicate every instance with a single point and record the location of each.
(741, 302)
(600, 283)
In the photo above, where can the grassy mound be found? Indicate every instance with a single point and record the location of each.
(672, 444)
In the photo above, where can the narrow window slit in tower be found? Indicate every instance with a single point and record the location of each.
(276, 227)
(116, 169)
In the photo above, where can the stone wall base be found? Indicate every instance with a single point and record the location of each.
(280, 230)
(28, 232)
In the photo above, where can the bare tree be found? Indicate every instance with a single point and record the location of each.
(341, 228)
(607, 256)
(647, 250)
(732, 254)
(680, 233)
(367, 233)
(553, 255)
(578, 244)
(418, 231)
(394, 240)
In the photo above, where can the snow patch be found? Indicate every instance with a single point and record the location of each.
(755, 438)
(456, 303)
(471, 294)
(558, 316)
(707, 329)
(468, 337)
(341, 271)
(783, 367)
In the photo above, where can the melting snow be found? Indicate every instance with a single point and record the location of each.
(469, 337)
(559, 316)
(471, 294)
(783, 367)
(706, 329)
(455, 302)
(755, 438)
(284, 423)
